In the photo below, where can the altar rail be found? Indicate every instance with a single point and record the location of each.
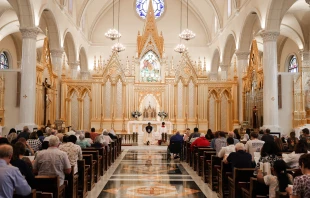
(129, 139)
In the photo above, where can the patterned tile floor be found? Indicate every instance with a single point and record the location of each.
(145, 172)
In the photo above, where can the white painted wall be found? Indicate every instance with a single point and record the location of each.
(290, 48)
(11, 114)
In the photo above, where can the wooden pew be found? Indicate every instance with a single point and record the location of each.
(213, 165)
(241, 178)
(72, 187)
(98, 159)
(91, 171)
(108, 157)
(50, 184)
(103, 157)
(83, 176)
(32, 195)
(205, 171)
(112, 151)
(282, 195)
(200, 157)
(223, 173)
(184, 150)
(119, 145)
(188, 153)
(255, 189)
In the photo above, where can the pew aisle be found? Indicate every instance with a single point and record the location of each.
(143, 171)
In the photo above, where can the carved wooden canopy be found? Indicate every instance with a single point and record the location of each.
(150, 39)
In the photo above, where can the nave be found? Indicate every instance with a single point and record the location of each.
(144, 171)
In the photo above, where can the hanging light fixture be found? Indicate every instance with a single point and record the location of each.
(118, 47)
(187, 34)
(180, 48)
(113, 33)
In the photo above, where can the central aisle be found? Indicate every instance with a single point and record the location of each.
(145, 172)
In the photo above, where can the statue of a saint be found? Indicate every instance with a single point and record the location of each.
(255, 118)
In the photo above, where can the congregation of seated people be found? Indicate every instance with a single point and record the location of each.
(279, 164)
(27, 157)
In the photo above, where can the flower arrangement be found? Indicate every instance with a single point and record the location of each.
(162, 114)
(136, 114)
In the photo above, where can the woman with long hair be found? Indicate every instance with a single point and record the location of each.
(278, 181)
(292, 158)
(280, 145)
(237, 135)
(292, 141)
(209, 135)
(22, 163)
(268, 153)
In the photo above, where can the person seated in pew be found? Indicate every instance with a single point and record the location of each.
(22, 163)
(232, 135)
(293, 158)
(292, 141)
(301, 184)
(216, 135)
(88, 138)
(100, 142)
(268, 153)
(175, 138)
(93, 134)
(194, 134)
(106, 136)
(11, 180)
(186, 135)
(73, 151)
(82, 142)
(52, 161)
(209, 136)
(220, 142)
(254, 145)
(200, 142)
(280, 145)
(112, 135)
(237, 135)
(278, 181)
(225, 151)
(239, 159)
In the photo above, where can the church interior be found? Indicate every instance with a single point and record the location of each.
(120, 64)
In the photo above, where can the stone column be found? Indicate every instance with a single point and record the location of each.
(242, 63)
(85, 75)
(28, 78)
(224, 72)
(270, 94)
(74, 69)
(56, 55)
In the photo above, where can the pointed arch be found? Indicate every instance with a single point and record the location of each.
(83, 59)
(215, 60)
(229, 49)
(24, 11)
(47, 17)
(69, 47)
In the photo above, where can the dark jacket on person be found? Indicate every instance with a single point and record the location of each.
(25, 170)
(240, 159)
(267, 138)
(24, 134)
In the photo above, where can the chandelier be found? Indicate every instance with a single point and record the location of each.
(113, 33)
(187, 34)
(180, 48)
(118, 47)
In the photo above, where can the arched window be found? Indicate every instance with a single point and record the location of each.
(228, 8)
(293, 65)
(70, 6)
(4, 61)
(142, 6)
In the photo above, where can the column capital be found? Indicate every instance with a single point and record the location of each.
(57, 52)
(74, 65)
(30, 33)
(242, 55)
(224, 67)
(269, 36)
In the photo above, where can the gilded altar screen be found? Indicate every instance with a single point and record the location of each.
(150, 68)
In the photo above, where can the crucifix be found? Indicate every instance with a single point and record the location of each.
(46, 98)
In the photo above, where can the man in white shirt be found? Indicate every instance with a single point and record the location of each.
(225, 151)
(254, 145)
(162, 129)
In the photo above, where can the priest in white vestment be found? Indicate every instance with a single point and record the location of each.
(148, 134)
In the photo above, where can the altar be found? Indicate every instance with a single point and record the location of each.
(139, 126)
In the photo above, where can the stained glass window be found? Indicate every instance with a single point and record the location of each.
(4, 62)
(142, 6)
(293, 65)
(228, 8)
(150, 68)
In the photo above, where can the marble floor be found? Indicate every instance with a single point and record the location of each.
(144, 171)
